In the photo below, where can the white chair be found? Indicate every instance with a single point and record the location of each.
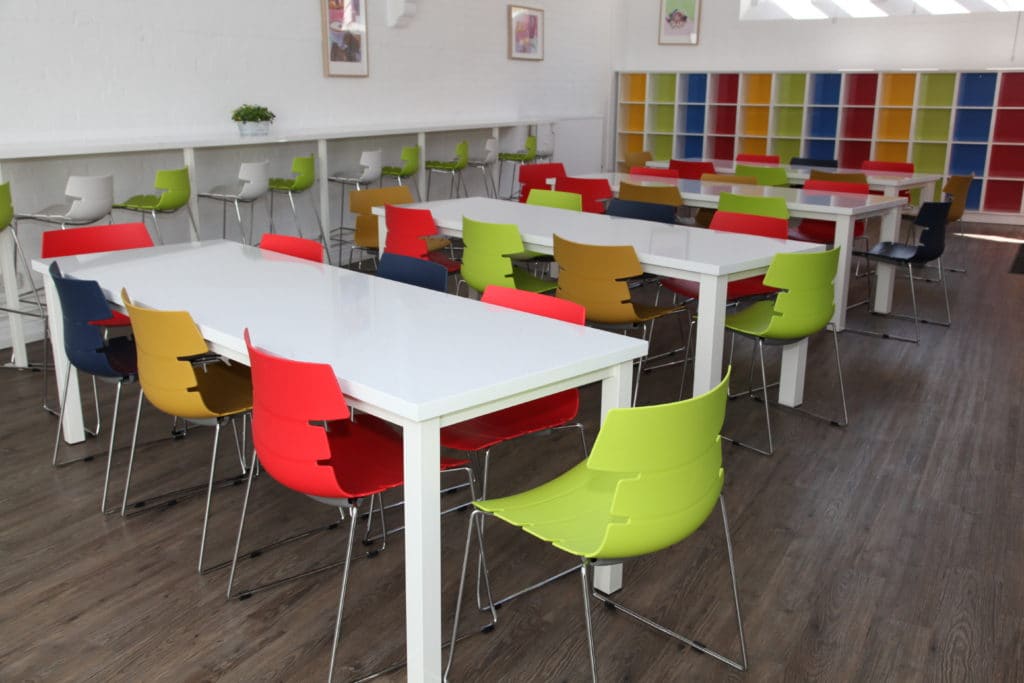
(490, 158)
(253, 183)
(92, 198)
(545, 143)
(372, 162)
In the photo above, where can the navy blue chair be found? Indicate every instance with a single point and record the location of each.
(813, 163)
(84, 307)
(645, 211)
(413, 271)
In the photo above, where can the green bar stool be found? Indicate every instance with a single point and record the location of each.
(410, 165)
(175, 194)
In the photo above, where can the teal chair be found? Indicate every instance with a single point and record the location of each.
(487, 258)
(556, 199)
(803, 307)
(454, 168)
(410, 166)
(775, 176)
(176, 193)
(527, 155)
(304, 169)
(652, 479)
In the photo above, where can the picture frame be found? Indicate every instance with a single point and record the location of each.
(679, 22)
(344, 37)
(525, 33)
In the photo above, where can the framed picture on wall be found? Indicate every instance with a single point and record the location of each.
(679, 21)
(345, 45)
(525, 33)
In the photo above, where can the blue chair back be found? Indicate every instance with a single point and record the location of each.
(813, 163)
(413, 271)
(646, 211)
(82, 302)
(932, 217)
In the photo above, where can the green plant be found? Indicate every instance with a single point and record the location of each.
(252, 112)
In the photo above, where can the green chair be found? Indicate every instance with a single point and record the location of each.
(410, 165)
(766, 175)
(773, 207)
(556, 199)
(453, 167)
(177, 191)
(527, 155)
(486, 258)
(652, 479)
(803, 307)
(304, 169)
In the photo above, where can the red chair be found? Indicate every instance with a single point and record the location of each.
(655, 172)
(299, 247)
(408, 233)
(306, 440)
(691, 170)
(757, 158)
(887, 166)
(595, 191)
(536, 175)
(824, 232)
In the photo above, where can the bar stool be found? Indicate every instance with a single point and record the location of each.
(14, 305)
(371, 162)
(176, 192)
(92, 198)
(525, 156)
(453, 167)
(489, 159)
(304, 169)
(409, 167)
(254, 181)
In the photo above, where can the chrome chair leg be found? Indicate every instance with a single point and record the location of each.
(354, 513)
(209, 494)
(585, 583)
(472, 526)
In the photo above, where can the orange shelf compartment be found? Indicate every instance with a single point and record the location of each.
(898, 90)
(893, 124)
(631, 117)
(755, 120)
(758, 89)
(629, 142)
(633, 87)
(753, 146)
(892, 151)
(1011, 90)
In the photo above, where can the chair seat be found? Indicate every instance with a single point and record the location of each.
(442, 165)
(437, 242)
(118, 319)
(820, 232)
(120, 352)
(225, 192)
(531, 283)
(140, 202)
(281, 184)
(351, 180)
(395, 171)
(737, 289)
(226, 389)
(753, 320)
(514, 156)
(449, 265)
(503, 425)
(893, 252)
(53, 213)
(645, 312)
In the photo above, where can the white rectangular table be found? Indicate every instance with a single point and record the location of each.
(710, 258)
(383, 339)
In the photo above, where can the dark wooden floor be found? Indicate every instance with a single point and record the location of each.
(891, 550)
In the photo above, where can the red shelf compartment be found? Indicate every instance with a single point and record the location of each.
(727, 88)
(723, 118)
(1003, 195)
(1006, 161)
(722, 147)
(861, 88)
(1011, 90)
(1009, 126)
(852, 153)
(858, 123)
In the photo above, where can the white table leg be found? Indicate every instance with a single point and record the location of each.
(422, 448)
(74, 430)
(616, 392)
(843, 240)
(10, 280)
(885, 274)
(707, 353)
(791, 375)
(189, 156)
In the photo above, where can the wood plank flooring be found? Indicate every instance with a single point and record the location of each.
(892, 550)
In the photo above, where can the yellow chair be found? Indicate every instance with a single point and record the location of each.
(181, 377)
(956, 189)
(361, 202)
(854, 177)
(632, 159)
(652, 194)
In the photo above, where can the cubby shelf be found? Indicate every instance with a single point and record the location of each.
(943, 122)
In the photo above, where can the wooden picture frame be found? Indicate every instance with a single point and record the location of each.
(679, 22)
(344, 37)
(525, 33)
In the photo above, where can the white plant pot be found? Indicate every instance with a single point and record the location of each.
(247, 128)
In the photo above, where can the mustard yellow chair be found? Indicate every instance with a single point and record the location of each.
(181, 377)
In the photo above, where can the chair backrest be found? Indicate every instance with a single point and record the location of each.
(652, 194)
(410, 160)
(177, 189)
(536, 176)
(728, 178)
(372, 161)
(956, 189)
(645, 211)
(639, 158)
(774, 176)
(361, 203)
(93, 197)
(669, 457)
(413, 271)
(408, 230)
(294, 404)
(595, 276)
(595, 192)
(932, 216)
(6, 205)
(750, 224)
(556, 199)
(538, 304)
(82, 303)
(859, 178)
(461, 155)
(255, 176)
(810, 162)
(95, 238)
(164, 342)
(691, 170)
(654, 172)
(758, 158)
(484, 259)
(299, 247)
(807, 301)
(490, 151)
(757, 206)
(304, 169)
(530, 147)
(836, 186)
(890, 166)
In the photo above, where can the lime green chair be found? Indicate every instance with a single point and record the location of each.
(651, 480)
(803, 307)
(773, 207)
(176, 193)
(410, 165)
(527, 155)
(453, 167)
(304, 169)
(766, 175)
(487, 260)
(556, 199)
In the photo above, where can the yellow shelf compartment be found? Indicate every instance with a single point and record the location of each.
(785, 149)
(893, 124)
(897, 90)
(631, 118)
(757, 89)
(632, 87)
(936, 90)
(662, 87)
(790, 89)
(789, 122)
(749, 145)
(932, 124)
(891, 151)
(754, 120)
(660, 146)
(661, 118)
(630, 142)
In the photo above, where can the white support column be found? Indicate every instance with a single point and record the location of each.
(189, 156)
(325, 197)
(8, 259)
(421, 173)
(791, 375)
(885, 274)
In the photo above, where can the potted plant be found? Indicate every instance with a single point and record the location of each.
(253, 119)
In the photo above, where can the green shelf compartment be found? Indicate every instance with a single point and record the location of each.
(660, 146)
(789, 121)
(936, 90)
(790, 88)
(785, 149)
(932, 124)
(661, 118)
(663, 87)
(929, 157)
